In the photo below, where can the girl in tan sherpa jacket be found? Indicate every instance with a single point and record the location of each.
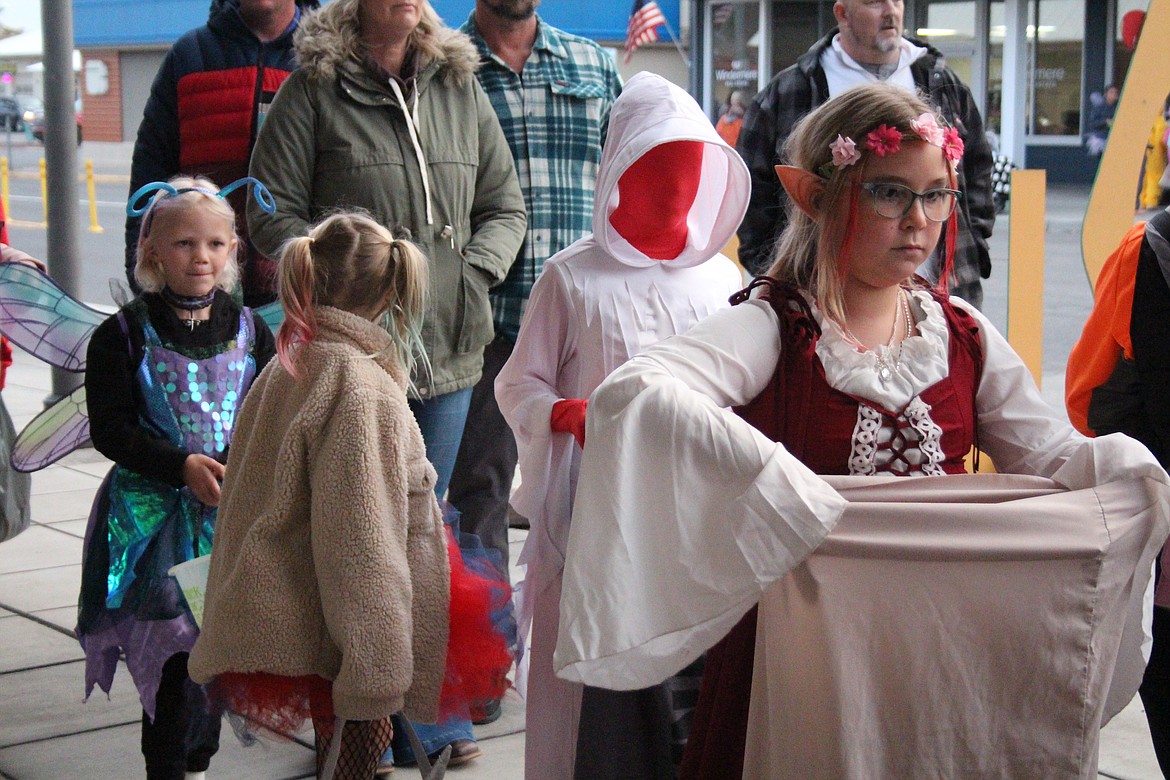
(328, 590)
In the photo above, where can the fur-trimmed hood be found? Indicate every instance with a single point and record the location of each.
(328, 38)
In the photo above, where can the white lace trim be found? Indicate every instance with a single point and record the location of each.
(917, 413)
(865, 433)
(924, 456)
(925, 357)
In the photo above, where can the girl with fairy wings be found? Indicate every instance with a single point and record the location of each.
(176, 364)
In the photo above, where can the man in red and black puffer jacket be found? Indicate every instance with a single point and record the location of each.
(205, 108)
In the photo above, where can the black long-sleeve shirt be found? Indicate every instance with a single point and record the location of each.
(113, 397)
(1149, 330)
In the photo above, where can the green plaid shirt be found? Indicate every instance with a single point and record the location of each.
(553, 115)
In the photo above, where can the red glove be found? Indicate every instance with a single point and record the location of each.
(568, 416)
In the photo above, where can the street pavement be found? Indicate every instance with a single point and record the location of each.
(100, 240)
(47, 731)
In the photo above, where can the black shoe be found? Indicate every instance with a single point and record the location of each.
(488, 712)
(517, 520)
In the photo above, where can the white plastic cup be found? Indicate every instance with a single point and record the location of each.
(192, 577)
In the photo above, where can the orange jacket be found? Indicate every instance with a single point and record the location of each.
(1105, 338)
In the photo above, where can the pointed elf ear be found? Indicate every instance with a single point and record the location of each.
(804, 187)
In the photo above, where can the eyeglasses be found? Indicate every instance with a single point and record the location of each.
(894, 201)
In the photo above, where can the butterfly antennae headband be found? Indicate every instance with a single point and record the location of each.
(259, 192)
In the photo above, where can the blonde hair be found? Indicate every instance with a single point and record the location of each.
(810, 251)
(342, 15)
(193, 191)
(350, 262)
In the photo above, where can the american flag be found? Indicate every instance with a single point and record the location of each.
(643, 27)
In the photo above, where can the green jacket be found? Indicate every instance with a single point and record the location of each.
(337, 137)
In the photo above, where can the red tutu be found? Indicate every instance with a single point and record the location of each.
(478, 659)
(478, 655)
(272, 703)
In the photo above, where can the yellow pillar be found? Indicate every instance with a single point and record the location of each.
(1025, 323)
(1025, 269)
(44, 191)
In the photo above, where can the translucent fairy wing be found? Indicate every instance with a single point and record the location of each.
(53, 434)
(272, 314)
(43, 319)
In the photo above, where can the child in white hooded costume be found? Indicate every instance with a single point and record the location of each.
(670, 195)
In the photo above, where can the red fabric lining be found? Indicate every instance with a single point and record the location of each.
(568, 416)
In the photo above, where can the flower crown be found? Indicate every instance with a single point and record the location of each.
(884, 139)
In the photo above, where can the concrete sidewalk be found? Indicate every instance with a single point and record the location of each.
(48, 733)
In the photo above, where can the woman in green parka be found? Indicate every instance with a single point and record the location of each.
(385, 114)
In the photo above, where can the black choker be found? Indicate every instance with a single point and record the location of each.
(187, 302)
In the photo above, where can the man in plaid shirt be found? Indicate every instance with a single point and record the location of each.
(552, 92)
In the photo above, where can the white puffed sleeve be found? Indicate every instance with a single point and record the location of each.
(684, 512)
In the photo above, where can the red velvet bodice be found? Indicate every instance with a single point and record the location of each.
(816, 422)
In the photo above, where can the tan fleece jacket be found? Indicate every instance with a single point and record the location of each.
(329, 555)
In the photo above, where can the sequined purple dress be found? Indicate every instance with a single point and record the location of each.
(139, 527)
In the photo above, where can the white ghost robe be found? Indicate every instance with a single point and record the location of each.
(597, 303)
(919, 627)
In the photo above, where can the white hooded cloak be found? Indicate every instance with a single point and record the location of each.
(597, 303)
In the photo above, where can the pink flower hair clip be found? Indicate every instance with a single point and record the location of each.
(952, 145)
(844, 152)
(927, 128)
(883, 140)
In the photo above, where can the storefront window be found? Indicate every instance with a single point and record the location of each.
(950, 28)
(1056, 33)
(996, 29)
(735, 51)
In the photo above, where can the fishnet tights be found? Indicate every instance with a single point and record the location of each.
(362, 744)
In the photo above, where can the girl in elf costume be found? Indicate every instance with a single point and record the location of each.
(934, 625)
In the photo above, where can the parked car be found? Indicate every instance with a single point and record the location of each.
(35, 119)
(17, 111)
(11, 114)
(29, 105)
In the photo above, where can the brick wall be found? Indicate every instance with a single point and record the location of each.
(102, 112)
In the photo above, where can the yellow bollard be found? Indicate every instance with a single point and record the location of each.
(94, 227)
(1025, 323)
(44, 191)
(4, 187)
